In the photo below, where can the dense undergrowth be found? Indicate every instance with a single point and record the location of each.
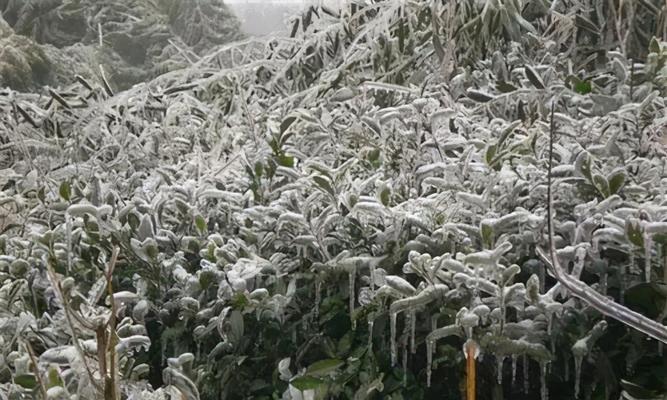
(48, 42)
(335, 213)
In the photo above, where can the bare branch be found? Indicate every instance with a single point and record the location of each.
(578, 288)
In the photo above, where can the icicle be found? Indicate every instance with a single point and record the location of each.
(550, 322)
(413, 328)
(503, 310)
(405, 365)
(500, 360)
(68, 227)
(578, 360)
(318, 298)
(478, 277)
(429, 361)
(392, 337)
(514, 362)
(352, 276)
(544, 389)
(526, 375)
(566, 371)
(647, 258)
(434, 322)
(371, 323)
(371, 267)
(621, 278)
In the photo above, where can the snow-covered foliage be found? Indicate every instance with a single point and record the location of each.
(49, 42)
(335, 213)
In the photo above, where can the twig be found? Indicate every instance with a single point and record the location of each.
(38, 376)
(70, 324)
(111, 391)
(578, 288)
(107, 87)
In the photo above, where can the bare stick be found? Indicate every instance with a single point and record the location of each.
(70, 323)
(38, 376)
(111, 391)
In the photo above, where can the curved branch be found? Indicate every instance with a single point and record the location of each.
(578, 288)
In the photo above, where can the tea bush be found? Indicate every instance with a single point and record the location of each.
(337, 213)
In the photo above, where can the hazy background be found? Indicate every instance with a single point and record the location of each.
(262, 17)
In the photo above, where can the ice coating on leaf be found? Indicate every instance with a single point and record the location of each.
(283, 369)
(62, 355)
(400, 284)
(582, 348)
(133, 343)
(185, 386)
(487, 257)
(501, 345)
(471, 345)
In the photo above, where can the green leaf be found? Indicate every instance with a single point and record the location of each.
(505, 87)
(374, 157)
(304, 383)
(582, 87)
(654, 45)
(582, 165)
(634, 232)
(488, 235)
(324, 367)
(371, 123)
(287, 122)
(507, 132)
(660, 239)
(133, 221)
(41, 195)
(27, 381)
(533, 77)
(345, 344)
(324, 184)
(385, 196)
(65, 191)
(616, 181)
(490, 154)
(200, 223)
(647, 298)
(259, 169)
(286, 161)
(437, 46)
(586, 24)
(601, 184)
(479, 96)
(54, 378)
(238, 326)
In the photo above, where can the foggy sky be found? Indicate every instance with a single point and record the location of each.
(263, 17)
